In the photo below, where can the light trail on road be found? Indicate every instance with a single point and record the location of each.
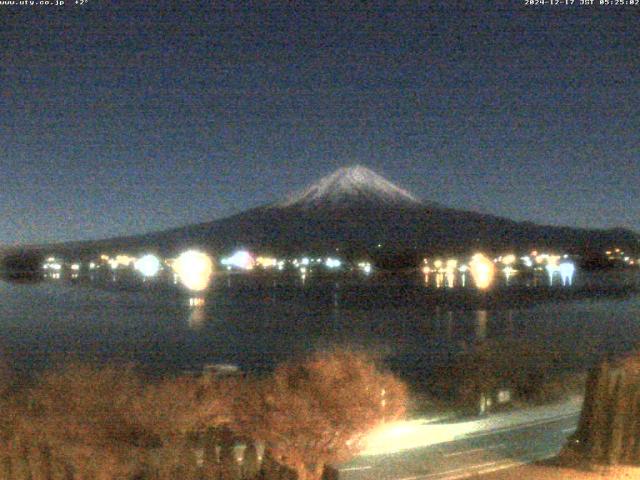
(474, 453)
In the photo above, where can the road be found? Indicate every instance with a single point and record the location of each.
(480, 448)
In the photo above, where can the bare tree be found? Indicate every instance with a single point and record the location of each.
(315, 412)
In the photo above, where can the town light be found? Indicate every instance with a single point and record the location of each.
(241, 259)
(509, 259)
(332, 263)
(148, 265)
(567, 270)
(194, 269)
(266, 262)
(463, 269)
(365, 267)
(508, 272)
(482, 271)
(551, 271)
(451, 266)
(125, 260)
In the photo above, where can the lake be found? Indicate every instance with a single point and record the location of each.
(257, 324)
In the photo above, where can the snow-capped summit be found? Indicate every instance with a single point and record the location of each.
(351, 186)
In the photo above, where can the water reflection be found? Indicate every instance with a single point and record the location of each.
(481, 325)
(196, 301)
(449, 329)
(463, 275)
(450, 272)
(470, 327)
(449, 276)
(197, 315)
(419, 328)
(197, 318)
(509, 323)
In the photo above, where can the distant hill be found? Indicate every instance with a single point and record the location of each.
(354, 210)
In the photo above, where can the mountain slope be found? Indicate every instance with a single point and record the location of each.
(354, 210)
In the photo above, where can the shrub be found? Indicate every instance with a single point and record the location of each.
(106, 423)
(314, 412)
(70, 425)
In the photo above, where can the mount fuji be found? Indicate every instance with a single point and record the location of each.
(356, 211)
(347, 187)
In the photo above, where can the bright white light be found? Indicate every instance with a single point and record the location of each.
(332, 263)
(365, 267)
(149, 265)
(304, 261)
(194, 269)
(527, 261)
(463, 269)
(394, 437)
(196, 302)
(241, 259)
(567, 270)
(482, 271)
(552, 269)
(75, 267)
(508, 272)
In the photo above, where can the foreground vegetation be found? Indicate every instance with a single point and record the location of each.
(609, 429)
(105, 423)
(606, 444)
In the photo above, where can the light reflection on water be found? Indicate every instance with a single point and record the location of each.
(197, 318)
(256, 328)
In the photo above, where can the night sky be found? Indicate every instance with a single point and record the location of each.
(121, 118)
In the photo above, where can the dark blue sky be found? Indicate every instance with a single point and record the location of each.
(120, 118)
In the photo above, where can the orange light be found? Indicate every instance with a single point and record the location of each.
(509, 259)
(482, 271)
